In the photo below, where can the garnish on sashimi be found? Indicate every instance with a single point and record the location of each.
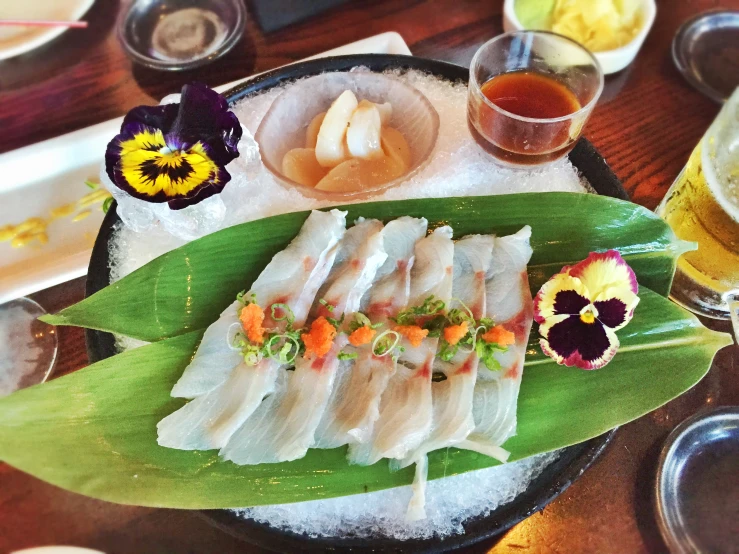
(350, 147)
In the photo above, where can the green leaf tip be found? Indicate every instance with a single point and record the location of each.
(53, 319)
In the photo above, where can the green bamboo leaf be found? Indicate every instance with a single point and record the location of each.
(94, 431)
(186, 289)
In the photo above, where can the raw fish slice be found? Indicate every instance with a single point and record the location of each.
(452, 418)
(405, 406)
(284, 426)
(361, 254)
(509, 303)
(209, 420)
(293, 278)
(215, 357)
(354, 404)
(392, 287)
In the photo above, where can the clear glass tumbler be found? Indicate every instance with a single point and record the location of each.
(702, 206)
(530, 94)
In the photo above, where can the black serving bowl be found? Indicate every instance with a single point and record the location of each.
(555, 478)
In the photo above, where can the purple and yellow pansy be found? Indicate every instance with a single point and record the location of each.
(175, 153)
(580, 309)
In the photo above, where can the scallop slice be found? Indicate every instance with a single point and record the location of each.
(311, 133)
(357, 174)
(363, 134)
(396, 147)
(330, 147)
(301, 166)
(385, 109)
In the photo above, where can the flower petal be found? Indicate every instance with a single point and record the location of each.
(613, 313)
(175, 153)
(571, 342)
(562, 294)
(204, 117)
(605, 270)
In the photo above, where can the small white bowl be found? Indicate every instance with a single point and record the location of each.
(611, 61)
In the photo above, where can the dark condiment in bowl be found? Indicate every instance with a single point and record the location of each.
(532, 95)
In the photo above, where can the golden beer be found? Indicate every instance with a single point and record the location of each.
(703, 206)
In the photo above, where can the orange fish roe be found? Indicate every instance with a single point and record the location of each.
(320, 338)
(413, 333)
(454, 333)
(251, 318)
(499, 335)
(361, 336)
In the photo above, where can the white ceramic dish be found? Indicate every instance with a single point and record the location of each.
(611, 61)
(48, 174)
(19, 40)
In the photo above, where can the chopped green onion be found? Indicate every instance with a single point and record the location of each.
(457, 316)
(336, 322)
(429, 307)
(289, 316)
(283, 354)
(384, 344)
(107, 203)
(347, 355)
(325, 304)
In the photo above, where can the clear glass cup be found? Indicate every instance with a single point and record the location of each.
(28, 347)
(178, 35)
(547, 66)
(702, 206)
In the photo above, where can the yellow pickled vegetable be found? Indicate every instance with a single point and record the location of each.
(599, 25)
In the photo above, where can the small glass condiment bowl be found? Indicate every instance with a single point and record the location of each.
(515, 140)
(176, 35)
(284, 125)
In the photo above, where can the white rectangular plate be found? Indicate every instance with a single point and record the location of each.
(46, 175)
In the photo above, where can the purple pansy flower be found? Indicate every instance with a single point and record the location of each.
(176, 153)
(580, 309)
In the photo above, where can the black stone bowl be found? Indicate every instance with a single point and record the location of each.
(556, 477)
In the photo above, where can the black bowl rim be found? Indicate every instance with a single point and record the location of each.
(573, 461)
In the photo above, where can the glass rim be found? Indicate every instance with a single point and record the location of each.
(233, 36)
(584, 109)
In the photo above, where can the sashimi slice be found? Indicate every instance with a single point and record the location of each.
(354, 404)
(214, 359)
(509, 303)
(452, 418)
(284, 426)
(405, 406)
(227, 398)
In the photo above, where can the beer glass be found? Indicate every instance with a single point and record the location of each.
(703, 206)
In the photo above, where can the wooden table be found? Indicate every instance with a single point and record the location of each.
(646, 124)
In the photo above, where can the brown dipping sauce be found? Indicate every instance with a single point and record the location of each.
(526, 94)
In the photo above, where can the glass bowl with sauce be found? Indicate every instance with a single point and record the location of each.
(530, 94)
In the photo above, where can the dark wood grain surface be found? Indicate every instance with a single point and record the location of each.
(646, 124)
